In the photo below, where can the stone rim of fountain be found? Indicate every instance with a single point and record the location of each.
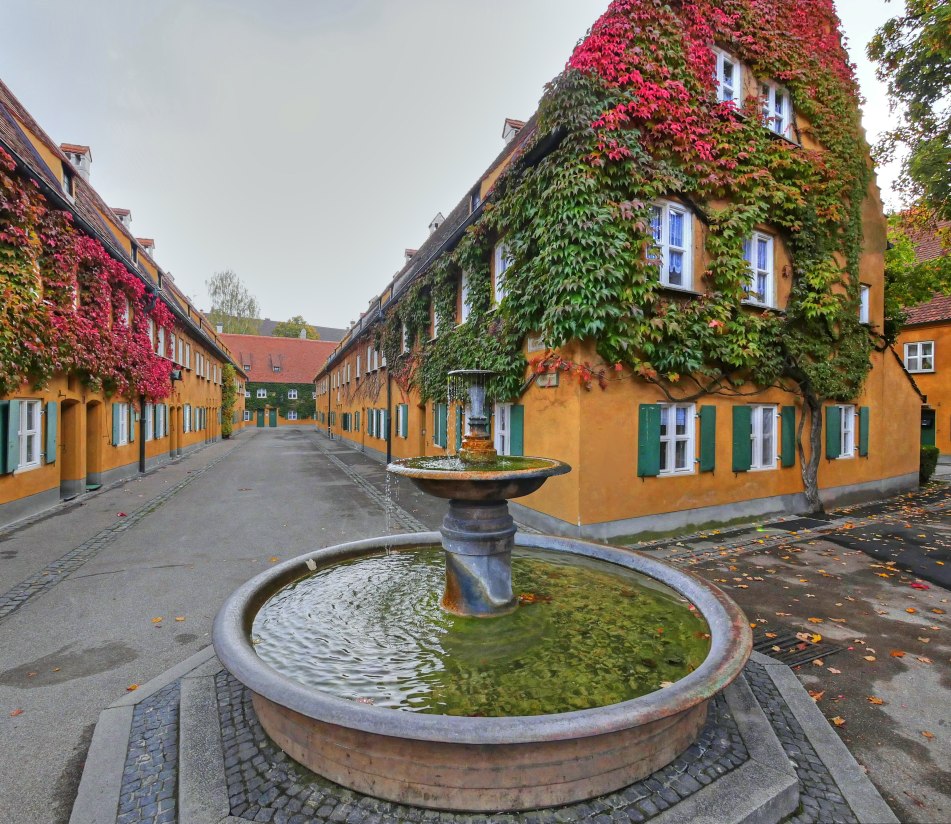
(731, 644)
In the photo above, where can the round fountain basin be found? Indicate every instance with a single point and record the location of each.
(504, 478)
(483, 763)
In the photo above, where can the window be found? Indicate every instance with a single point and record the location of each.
(29, 434)
(152, 334)
(369, 359)
(161, 427)
(729, 78)
(188, 356)
(358, 367)
(919, 357)
(313, 396)
(262, 393)
(435, 321)
(276, 368)
(149, 418)
(407, 339)
(503, 428)
(247, 393)
(122, 417)
(247, 367)
(174, 348)
(247, 414)
(126, 312)
(401, 422)
(847, 431)
(758, 253)
(292, 414)
(503, 260)
(677, 432)
(187, 418)
(671, 228)
(69, 186)
(292, 394)
(764, 437)
(466, 309)
(160, 350)
(864, 295)
(777, 109)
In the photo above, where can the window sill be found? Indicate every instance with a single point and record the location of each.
(27, 468)
(763, 468)
(921, 371)
(676, 473)
(681, 290)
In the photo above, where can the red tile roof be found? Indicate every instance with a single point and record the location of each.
(299, 359)
(935, 310)
(75, 148)
(928, 246)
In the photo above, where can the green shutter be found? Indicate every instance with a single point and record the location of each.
(742, 438)
(708, 438)
(460, 413)
(11, 437)
(116, 414)
(517, 430)
(4, 411)
(864, 413)
(833, 431)
(404, 425)
(386, 424)
(648, 440)
(52, 424)
(789, 436)
(131, 424)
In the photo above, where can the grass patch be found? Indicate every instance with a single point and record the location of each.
(689, 529)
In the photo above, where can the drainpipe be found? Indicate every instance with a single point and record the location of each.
(389, 423)
(142, 433)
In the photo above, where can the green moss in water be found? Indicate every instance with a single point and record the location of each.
(586, 634)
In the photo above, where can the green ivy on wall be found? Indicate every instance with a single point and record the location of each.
(305, 405)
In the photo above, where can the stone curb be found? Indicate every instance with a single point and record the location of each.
(169, 676)
(98, 796)
(202, 787)
(856, 788)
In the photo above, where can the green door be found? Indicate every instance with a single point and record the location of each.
(260, 421)
(927, 427)
(273, 421)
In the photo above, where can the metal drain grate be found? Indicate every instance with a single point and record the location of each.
(793, 651)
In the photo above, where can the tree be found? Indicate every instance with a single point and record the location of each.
(913, 52)
(232, 305)
(293, 327)
(229, 393)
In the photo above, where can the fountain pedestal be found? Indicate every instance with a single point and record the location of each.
(478, 537)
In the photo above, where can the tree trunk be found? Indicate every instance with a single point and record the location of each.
(810, 469)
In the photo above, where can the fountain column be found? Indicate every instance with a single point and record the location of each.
(478, 537)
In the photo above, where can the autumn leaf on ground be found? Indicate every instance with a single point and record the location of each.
(838, 720)
(869, 657)
(157, 620)
(919, 585)
(771, 635)
(132, 688)
(179, 618)
(897, 653)
(924, 660)
(874, 699)
(911, 610)
(815, 620)
(834, 671)
(816, 695)
(273, 559)
(924, 640)
(938, 611)
(818, 663)
(928, 735)
(16, 712)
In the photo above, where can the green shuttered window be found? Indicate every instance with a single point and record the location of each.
(708, 438)
(648, 440)
(789, 436)
(833, 431)
(517, 430)
(864, 415)
(742, 438)
(52, 425)
(440, 424)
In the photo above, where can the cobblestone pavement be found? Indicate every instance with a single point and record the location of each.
(150, 775)
(265, 785)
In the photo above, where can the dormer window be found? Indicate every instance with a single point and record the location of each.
(69, 183)
(247, 367)
(777, 109)
(671, 226)
(276, 368)
(729, 78)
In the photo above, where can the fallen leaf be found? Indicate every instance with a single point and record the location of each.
(179, 618)
(120, 515)
(924, 660)
(924, 640)
(838, 620)
(771, 635)
(311, 564)
(928, 735)
(873, 699)
(157, 620)
(838, 721)
(16, 712)
(869, 657)
(919, 585)
(31, 675)
(911, 610)
(273, 559)
(818, 662)
(132, 688)
(938, 611)
(55, 669)
(834, 671)
(816, 695)
(814, 620)
(897, 653)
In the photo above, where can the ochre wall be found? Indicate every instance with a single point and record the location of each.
(936, 386)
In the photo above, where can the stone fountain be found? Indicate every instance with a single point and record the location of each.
(466, 761)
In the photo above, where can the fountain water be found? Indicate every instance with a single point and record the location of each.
(356, 621)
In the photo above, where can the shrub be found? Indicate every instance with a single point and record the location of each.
(929, 461)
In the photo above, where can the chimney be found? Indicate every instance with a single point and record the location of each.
(124, 215)
(436, 222)
(220, 328)
(148, 245)
(80, 157)
(303, 334)
(511, 128)
(409, 254)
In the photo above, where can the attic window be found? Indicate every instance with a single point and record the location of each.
(69, 186)
(276, 368)
(247, 367)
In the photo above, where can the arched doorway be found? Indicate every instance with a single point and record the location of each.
(94, 444)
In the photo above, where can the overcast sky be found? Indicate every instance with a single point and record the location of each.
(303, 143)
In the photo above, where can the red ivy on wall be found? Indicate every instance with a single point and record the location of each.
(62, 303)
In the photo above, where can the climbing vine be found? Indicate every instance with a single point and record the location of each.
(229, 394)
(640, 120)
(64, 299)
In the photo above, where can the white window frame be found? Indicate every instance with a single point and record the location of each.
(247, 414)
(736, 90)
(847, 443)
(161, 424)
(152, 334)
(292, 414)
(865, 293)
(919, 356)
(501, 428)
(127, 313)
(668, 441)
(369, 359)
(784, 123)
(32, 434)
(359, 364)
(435, 321)
(247, 393)
(262, 394)
(292, 394)
(313, 396)
(764, 451)
(148, 414)
(663, 250)
(187, 418)
(401, 410)
(750, 249)
(123, 438)
(465, 310)
(405, 339)
(503, 262)
(188, 356)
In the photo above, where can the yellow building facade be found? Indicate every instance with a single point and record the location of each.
(63, 438)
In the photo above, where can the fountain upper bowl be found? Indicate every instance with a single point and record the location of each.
(507, 477)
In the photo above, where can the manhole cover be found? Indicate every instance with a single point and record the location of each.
(792, 647)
